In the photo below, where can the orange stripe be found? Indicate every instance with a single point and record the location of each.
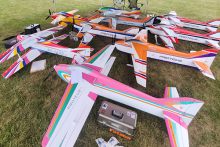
(60, 108)
(144, 102)
(172, 133)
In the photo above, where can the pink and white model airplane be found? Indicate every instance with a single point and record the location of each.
(210, 26)
(170, 33)
(86, 82)
(39, 45)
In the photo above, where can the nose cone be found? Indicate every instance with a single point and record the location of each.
(61, 67)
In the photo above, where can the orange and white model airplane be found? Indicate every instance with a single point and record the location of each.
(140, 50)
(88, 30)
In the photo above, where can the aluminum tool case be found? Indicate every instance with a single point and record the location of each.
(116, 119)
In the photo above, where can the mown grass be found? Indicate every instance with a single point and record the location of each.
(28, 104)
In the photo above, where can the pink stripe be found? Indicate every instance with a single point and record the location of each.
(111, 83)
(93, 96)
(26, 60)
(176, 118)
(98, 69)
(46, 139)
(166, 91)
(89, 78)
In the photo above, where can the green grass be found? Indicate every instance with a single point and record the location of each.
(28, 104)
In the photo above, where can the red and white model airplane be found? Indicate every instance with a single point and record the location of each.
(88, 80)
(170, 33)
(210, 26)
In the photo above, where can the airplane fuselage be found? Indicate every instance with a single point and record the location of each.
(107, 32)
(114, 90)
(185, 35)
(167, 55)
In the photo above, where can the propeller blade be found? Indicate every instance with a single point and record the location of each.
(49, 74)
(49, 12)
(47, 17)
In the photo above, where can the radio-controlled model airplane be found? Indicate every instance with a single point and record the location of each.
(38, 45)
(86, 82)
(65, 18)
(89, 30)
(113, 12)
(210, 26)
(140, 50)
(170, 33)
(114, 21)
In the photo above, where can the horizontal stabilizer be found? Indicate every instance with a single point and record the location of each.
(132, 30)
(96, 20)
(21, 62)
(177, 130)
(168, 43)
(213, 44)
(58, 39)
(215, 22)
(86, 39)
(214, 34)
(108, 66)
(211, 29)
(171, 92)
(204, 69)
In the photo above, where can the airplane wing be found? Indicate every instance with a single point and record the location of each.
(70, 115)
(213, 44)
(96, 20)
(177, 130)
(168, 43)
(86, 39)
(58, 39)
(171, 92)
(75, 105)
(139, 58)
(29, 56)
(98, 61)
(204, 69)
(73, 11)
(58, 19)
(21, 62)
(47, 32)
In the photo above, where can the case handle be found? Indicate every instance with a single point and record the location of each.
(116, 114)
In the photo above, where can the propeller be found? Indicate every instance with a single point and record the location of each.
(49, 15)
(12, 37)
(49, 74)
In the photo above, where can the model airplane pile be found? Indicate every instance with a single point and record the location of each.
(87, 76)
